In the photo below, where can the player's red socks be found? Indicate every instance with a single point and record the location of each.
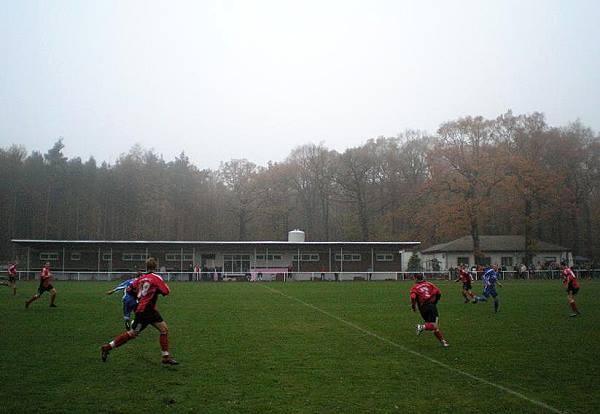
(163, 338)
(429, 326)
(438, 335)
(574, 307)
(121, 339)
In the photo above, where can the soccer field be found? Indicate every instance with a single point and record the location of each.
(303, 348)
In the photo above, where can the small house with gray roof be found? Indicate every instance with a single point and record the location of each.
(506, 251)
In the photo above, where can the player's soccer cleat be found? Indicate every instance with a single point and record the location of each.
(27, 303)
(445, 344)
(574, 314)
(167, 360)
(127, 325)
(419, 329)
(105, 350)
(52, 305)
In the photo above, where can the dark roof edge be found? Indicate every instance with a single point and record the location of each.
(24, 241)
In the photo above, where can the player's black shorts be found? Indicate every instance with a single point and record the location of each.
(43, 289)
(145, 318)
(429, 312)
(12, 279)
(572, 290)
(467, 286)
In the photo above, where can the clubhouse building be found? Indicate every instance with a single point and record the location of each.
(227, 257)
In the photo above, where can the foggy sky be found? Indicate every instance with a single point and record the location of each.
(254, 79)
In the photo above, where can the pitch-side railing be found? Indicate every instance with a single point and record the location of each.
(302, 276)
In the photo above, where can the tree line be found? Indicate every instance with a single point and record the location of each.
(514, 174)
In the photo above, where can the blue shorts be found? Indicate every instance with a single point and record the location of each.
(129, 304)
(490, 291)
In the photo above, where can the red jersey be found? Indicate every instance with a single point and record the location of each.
(569, 278)
(45, 276)
(147, 287)
(12, 269)
(464, 276)
(424, 292)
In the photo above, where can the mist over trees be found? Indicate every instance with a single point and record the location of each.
(510, 175)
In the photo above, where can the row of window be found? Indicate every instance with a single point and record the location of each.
(487, 261)
(177, 257)
(506, 261)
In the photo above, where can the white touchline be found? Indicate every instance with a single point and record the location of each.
(432, 360)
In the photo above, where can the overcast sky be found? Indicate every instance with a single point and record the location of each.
(254, 79)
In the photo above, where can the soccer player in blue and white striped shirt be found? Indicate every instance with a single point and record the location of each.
(490, 279)
(129, 301)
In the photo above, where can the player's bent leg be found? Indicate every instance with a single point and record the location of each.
(440, 336)
(32, 299)
(573, 305)
(52, 298)
(117, 342)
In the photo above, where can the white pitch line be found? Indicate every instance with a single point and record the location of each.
(432, 360)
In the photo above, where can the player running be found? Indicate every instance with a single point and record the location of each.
(129, 300)
(490, 279)
(45, 286)
(147, 287)
(572, 284)
(12, 277)
(425, 296)
(465, 277)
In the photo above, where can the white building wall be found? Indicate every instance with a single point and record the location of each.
(448, 260)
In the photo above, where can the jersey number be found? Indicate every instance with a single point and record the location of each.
(144, 290)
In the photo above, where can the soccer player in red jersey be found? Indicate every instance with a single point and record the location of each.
(12, 277)
(425, 296)
(45, 286)
(465, 277)
(572, 284)
(146, 287)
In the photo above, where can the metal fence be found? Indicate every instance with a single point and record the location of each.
(303, 276)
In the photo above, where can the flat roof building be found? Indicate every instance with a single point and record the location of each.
(227, 256)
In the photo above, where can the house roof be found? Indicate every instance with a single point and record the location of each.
(399, 244)
(493, 244)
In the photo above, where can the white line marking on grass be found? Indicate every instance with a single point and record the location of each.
(432, 360)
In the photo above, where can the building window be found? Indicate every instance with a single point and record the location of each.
(384, 257)
(462, 260)
(487, 261)
(107, 257)
(349, 257)
(176, 257)
(236, 263)
(134, 257)
(49, 256)
(307, 257)
(506, 261)
(269, 257)
(75, 256)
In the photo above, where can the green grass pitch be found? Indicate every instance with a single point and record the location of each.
(303, 348)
